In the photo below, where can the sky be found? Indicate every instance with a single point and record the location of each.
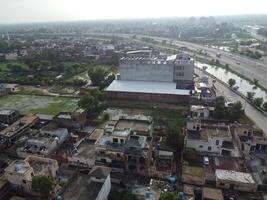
(23, 11)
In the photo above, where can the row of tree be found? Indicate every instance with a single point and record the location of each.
(222, 111)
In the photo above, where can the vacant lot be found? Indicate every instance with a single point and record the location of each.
(38, 104)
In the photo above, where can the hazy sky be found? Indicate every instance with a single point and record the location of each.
(17, 11)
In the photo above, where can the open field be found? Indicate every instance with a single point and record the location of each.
(38, 104)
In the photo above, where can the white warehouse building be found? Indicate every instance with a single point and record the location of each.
(176, 68)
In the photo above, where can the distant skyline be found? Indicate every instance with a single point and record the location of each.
(27, 11)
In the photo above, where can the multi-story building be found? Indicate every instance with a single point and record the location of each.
(94, 186)
(157, 79)
(250, 139)
(214, 139)
(20, 173)
(16, 130)
(8, 116)
(126, 145)
(175, 68)
(46, 142)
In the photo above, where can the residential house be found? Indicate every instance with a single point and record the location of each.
(94, 186)
(213, 139)
(241, 181)
(9, 116)
(20, 172)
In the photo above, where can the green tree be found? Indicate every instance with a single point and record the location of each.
(42, 185)
(168, 196)
(107, 81)
(34, 66)
(256, 82)
(265, 106)
(235, 112)
(189, 154)
(116, 194)
(231, 82)
(250, 95)
(220, 110)
(258, 101)
(91, 102)
(14, 67)
(97, 76)
(226, 66)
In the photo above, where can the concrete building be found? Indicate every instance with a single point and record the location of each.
(82, 155)
(126, 145)
(250, 139)
(15, 130)
(153, 79)
(213, 139)
(20, 173)
(234, 180)
(201, 112)
(212, 194)
(8, 116)
(46, 142)
(72, 120)
(94, 186)
(162, 163)
(146, 91)
(175, 68)
(11, 56)
(138, 155)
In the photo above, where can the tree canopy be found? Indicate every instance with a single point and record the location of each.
(258, 101)
(91, 102)
(117, 194)
(231, 82)
(42, 185)
(168, 196)
(232, 113)
(97, 76)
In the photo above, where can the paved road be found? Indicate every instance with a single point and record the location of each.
(255, 115)
(250, 68)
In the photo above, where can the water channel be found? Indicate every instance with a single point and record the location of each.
(224, 75)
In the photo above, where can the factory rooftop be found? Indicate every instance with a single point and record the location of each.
(146, 87)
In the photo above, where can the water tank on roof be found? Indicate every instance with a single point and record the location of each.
(204, 79)
(18, 167)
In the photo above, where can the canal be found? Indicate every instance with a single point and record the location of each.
(244, 86)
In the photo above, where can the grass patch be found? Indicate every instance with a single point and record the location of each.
(3, 66)
(38, 104)
(173, 119)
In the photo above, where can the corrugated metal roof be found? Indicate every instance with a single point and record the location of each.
(146, 87)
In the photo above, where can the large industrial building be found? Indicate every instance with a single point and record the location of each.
(168, 79)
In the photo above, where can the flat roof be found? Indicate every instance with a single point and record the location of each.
(6, 111)
(19, 125)
(146, 87)
(212, 193)
(234, 176)
(208, 131)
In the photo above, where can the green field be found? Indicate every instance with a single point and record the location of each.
(3, 65)
(38, 104)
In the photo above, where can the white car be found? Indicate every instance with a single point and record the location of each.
(206, 160)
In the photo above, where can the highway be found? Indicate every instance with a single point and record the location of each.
(250, 68)
(255, 115)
